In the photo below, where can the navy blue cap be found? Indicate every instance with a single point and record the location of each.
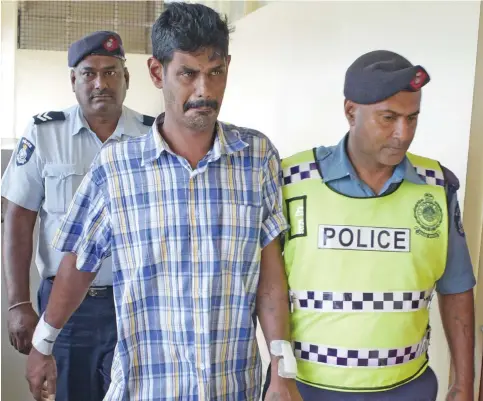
(104, 43)
(380, 74)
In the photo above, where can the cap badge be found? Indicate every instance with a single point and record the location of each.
(418, 80)
(111, 44)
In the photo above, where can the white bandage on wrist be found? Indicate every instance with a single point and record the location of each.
(287, 365)
(44, 337)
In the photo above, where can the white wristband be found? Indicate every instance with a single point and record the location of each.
(44, 337)
(287, 366)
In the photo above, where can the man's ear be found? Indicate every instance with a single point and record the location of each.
(126, 77)
(350, 110)
(72, 79)
(228, 60)
(156, 71)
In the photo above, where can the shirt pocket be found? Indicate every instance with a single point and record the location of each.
(237, 230)
(61, 182)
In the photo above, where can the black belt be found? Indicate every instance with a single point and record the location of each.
(95, 292)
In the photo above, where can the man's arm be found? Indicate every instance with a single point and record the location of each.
(272, 299)
(457, 313)
(23, 193)
(84, 236)
(455, 293)
(272, 294)
(18, 232)
(69, 290)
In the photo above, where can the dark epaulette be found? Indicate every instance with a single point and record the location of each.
(49, 116)
(148, 120)
(452, 182)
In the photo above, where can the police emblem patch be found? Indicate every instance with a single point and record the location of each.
(457, 220)
(24, 151)
(429, 216)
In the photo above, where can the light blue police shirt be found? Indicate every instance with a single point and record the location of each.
(49, 164)
(339, 174)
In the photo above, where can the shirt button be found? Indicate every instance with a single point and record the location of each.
(202, 366)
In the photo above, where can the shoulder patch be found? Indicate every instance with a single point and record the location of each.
(49, 116)
(452, 181)
(148, 120)
(24, 151)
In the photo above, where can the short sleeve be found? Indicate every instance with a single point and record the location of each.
(458, 275)
(274, 222)
(22, 182)
(86, 228)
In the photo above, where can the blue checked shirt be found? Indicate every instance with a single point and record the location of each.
(186, 247)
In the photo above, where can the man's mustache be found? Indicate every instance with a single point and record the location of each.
(200, 103)
(101, 93)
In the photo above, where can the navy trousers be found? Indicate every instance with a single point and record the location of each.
(424, 388)
(85, 347)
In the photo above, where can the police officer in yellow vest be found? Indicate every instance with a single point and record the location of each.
(374, 230)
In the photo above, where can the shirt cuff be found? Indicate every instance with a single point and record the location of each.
(27, 202)
(86, 262)
(272, 227)
(456, 287)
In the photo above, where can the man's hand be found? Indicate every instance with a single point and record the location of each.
(21, 323)
(281, 389)
(457, 393)
(41, 375)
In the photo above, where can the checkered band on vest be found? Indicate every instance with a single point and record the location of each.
(324, 301)
(432, 177)
(300, 172)
(360, 357)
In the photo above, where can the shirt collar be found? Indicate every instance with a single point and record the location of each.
(410, 173)
(227, 141)
(340, 166)
(125, 125)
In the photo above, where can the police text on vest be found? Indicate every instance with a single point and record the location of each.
(364, 238)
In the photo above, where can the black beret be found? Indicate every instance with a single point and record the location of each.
(104, 43)
(380, 74)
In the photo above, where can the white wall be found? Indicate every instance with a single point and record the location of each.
(288, 66)
(8, 24)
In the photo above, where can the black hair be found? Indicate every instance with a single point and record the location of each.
(188, 27)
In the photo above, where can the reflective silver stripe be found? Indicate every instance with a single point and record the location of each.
(327, 301)
(345, 357)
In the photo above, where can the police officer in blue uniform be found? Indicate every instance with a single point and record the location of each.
(43, 174)
(377, 86)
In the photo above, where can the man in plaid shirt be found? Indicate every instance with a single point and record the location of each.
(191, 214)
